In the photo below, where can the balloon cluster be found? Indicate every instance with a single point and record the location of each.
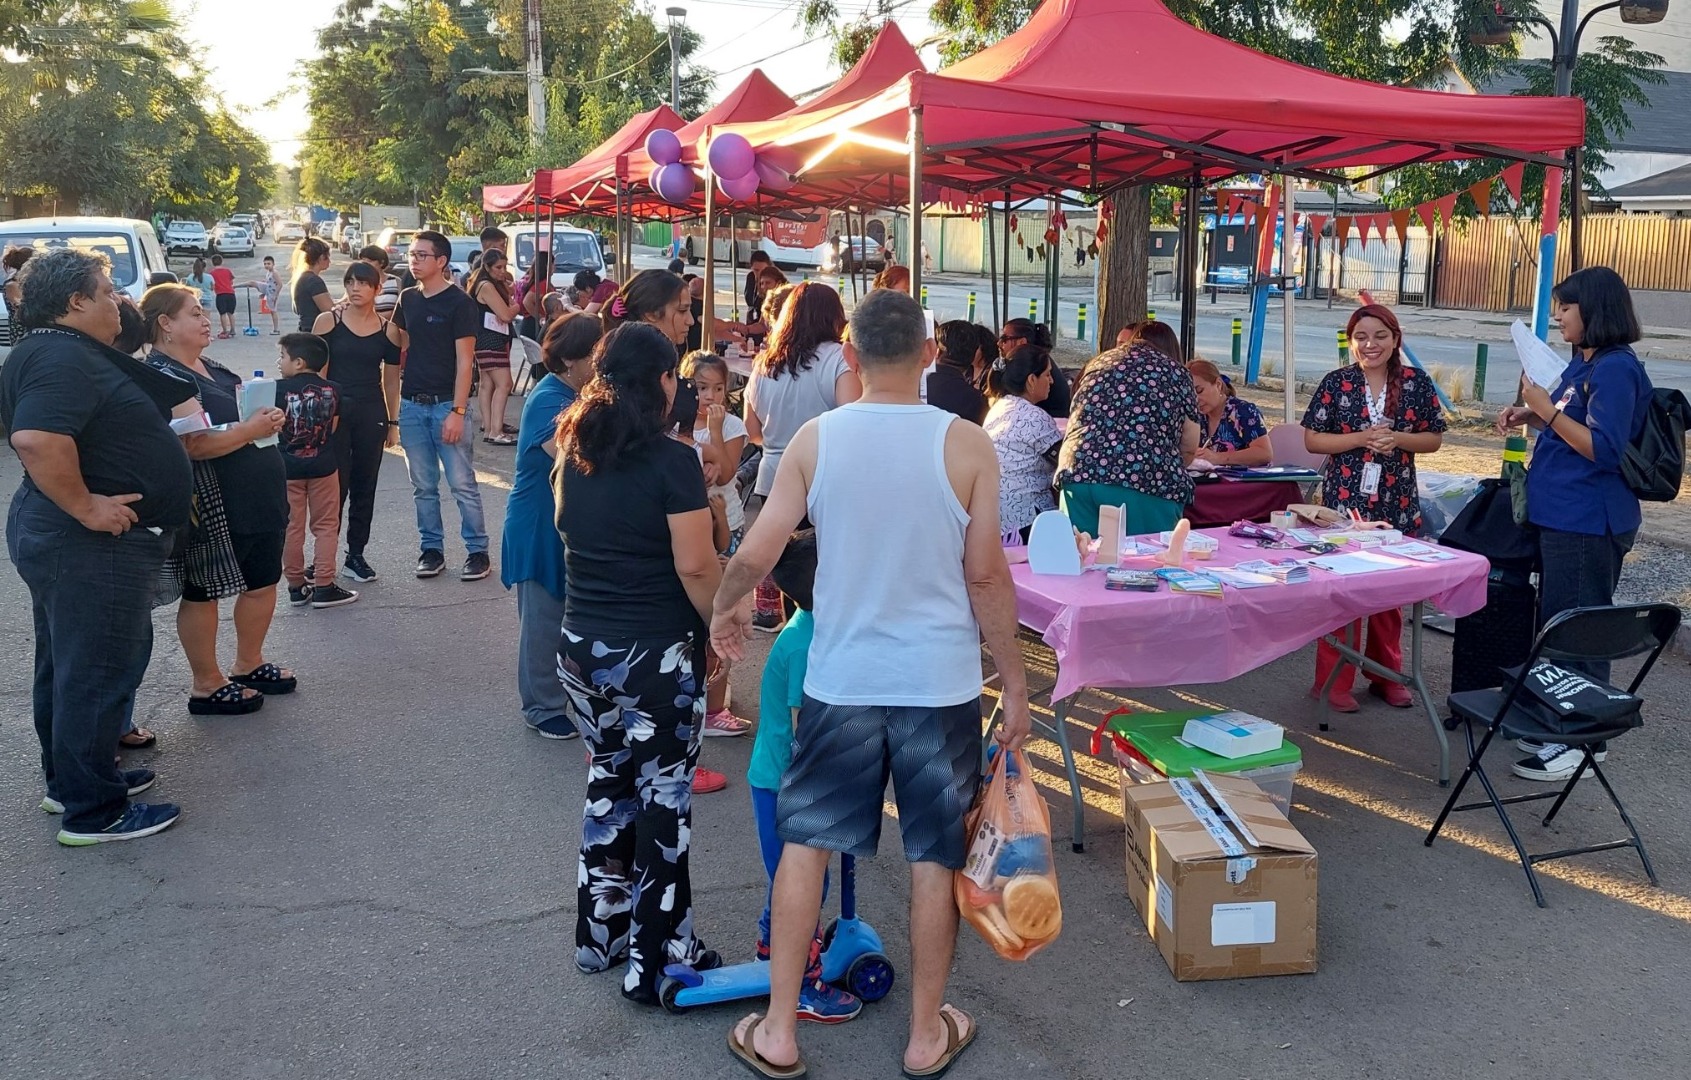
(739, 170)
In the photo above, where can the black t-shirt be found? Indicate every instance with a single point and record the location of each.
(619, 568)
(307, 287)
(116, 409)
(356, 361)
(950, 389)
(1057, 402)
(253, 480)
(435, 325)
(696, 332)
(307, 437)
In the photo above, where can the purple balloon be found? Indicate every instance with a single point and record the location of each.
(739, 188)
(674, 183)
(731, 156)
(772, 177)
(663, 147)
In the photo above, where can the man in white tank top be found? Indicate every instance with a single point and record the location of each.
(910, 578)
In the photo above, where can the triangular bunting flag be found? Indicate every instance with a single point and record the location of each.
(1425, 213)
(1512, 180)
(1251, 210)
(1366, 225)
(1447, 209)
(1230, 207)
(1317, 223)
(1400, 222)
(1481, 194)
(1341, 230)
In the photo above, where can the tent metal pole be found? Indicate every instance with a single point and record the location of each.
(916, 152)
(734, 265)
(992, 265)
(1006, 282)
(707, 333)
(1288, 217)
(1189, 267)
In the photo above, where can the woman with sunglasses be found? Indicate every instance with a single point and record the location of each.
(1019, 332)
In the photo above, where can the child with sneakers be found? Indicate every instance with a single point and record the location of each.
(782, 692)
(269, 287)
(309, 450)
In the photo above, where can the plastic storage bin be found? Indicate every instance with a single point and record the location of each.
(1149, 749)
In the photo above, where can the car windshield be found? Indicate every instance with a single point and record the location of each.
(187, 226)
(575, 251)
(114, 246)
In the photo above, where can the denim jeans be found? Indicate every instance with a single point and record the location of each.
(1579, 570)
(92, 598)
(540, 618)
(426, 455)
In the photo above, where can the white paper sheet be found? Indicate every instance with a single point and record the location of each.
(1543, 365)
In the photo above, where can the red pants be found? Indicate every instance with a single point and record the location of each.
(1384, 647)
(316, 502)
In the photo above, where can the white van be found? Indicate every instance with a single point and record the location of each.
(575, 249)
(131, 246)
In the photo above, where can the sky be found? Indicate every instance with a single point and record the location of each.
(254, 67)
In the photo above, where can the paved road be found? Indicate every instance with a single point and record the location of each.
(375, 878)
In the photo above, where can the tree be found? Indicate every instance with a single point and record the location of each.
(850, 38)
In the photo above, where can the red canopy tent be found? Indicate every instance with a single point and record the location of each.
(552, 187)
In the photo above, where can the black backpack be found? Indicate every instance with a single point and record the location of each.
(1655, 461)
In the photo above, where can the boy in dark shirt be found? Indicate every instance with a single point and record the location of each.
(309, 450)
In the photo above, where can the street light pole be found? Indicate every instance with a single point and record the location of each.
(535, 69)
(677, 18)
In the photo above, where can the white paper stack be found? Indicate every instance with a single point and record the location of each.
(1233, 734)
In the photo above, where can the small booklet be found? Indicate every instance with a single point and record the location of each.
(1286, 571)
(1420, 552)
(1187, 582)
(193, 422)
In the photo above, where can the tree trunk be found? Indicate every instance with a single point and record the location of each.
(1126, 260)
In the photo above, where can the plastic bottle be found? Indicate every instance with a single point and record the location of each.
(258, 392)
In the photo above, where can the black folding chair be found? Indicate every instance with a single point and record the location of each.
(1577, 637)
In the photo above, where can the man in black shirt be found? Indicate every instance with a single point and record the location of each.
(438, 321)
(106, 485)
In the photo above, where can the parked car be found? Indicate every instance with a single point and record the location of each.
(855, 252)
(231, 239)
(290, 232)
(249, 222)
(189, 236)
(132, 247)
(396, 242)
(345, 234)
(575, 249)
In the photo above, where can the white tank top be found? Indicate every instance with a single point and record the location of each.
(894, 625)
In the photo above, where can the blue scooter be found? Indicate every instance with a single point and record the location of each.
(852, 958)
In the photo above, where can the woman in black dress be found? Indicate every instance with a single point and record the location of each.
(311, 295)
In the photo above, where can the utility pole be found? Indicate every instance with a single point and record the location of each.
(677, 18)
(535, 69)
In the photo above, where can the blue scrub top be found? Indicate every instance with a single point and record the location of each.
(1610, 394)
(531, 549)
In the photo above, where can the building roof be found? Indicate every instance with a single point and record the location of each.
(1673, 184)
(1661, 127)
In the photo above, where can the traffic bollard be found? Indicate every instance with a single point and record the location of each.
(971, 307)
(1238, 339)
(1033, 310)
(924, 296)
(1080, 324)
(1151, 315)
(1482, 353)
(842, 285)
(1344, 347)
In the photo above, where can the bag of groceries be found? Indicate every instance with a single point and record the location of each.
(1007, 889)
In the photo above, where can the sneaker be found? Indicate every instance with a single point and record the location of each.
(724, 724)
(299, 595)
(432, 562)
(136, 780)
(706, 781)
(476, 567)
(310, 575)
(560, 728)
(766, 622)
(141, 819)
(823, 1004)
(359, 570)
(1534, 747)
(1554, 762)
(331, 595)
(1394, 694)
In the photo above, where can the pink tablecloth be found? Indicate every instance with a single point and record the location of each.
(1165, 638)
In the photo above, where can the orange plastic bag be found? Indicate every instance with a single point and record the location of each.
(1007, 889)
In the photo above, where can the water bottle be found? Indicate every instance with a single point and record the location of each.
(258, 393)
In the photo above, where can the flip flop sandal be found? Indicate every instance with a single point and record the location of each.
(748, 1055)
(227, 700)
(954, 1047)
(138, 739)
(267, 679)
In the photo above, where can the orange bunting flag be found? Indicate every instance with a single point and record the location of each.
(1425, 213)
(1230, 207)
(1400, 222)
(1481, 194)
(1249, 209)
(1366, 225)
(1447, 209)
(1317, 223)
(1341, 230)
(1512, 180)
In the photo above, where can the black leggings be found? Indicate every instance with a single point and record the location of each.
(363, 435)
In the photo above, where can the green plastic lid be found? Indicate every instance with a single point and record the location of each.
(1157, 736)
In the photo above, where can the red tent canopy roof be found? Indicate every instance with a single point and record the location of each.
(754, 99)
(1093, 94)
(888, 59)
(577, 181)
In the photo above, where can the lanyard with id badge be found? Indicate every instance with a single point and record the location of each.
(1376, 407)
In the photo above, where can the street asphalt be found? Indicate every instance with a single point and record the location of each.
(374, 878)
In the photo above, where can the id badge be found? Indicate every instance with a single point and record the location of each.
(1371, 478)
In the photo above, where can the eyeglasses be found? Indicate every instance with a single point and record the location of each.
(415, 254)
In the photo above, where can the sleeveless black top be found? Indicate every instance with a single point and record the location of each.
(356, 361)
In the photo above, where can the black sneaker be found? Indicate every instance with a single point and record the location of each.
(1555, 762)
(561, 728)
(476, 567)
(310, 575)
(136, 780)
(299, 595)
(331, 595)
(432, 563)
(359, 570)
(141, 819)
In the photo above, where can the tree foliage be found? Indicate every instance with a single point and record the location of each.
(98, 112)
(398, 115)
(849, 38)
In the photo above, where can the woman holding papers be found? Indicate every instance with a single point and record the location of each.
(1587, 516)
(1371, 419)
(1230, 429)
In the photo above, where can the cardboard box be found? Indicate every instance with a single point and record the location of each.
(1226, 885)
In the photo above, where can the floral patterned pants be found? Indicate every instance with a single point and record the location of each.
(640, 709)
